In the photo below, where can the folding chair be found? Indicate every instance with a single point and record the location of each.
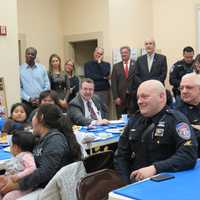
(97, 185)
(98, 161)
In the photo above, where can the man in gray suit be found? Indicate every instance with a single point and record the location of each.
(152, 65)
(121, 80)
(86, 109)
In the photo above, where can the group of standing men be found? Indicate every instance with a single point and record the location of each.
(126, 75)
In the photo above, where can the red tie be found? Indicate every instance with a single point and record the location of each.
(126, 70)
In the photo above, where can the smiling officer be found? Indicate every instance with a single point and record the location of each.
(157, 139)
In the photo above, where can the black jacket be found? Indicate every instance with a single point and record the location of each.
(178, 70)
(158, 69)
(168, 143)
(76, 110)
(51, 153)
(98, 73)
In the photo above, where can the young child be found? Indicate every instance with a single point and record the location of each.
(17, 119)
(21, 165)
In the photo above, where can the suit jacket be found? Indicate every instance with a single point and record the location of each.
(158, 69)
(119, 84)
(76, 110)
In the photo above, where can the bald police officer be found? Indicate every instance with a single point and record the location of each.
(157, 139)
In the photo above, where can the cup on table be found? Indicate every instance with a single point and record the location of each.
(125, 118)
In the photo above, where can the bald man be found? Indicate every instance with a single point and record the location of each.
(151, 65)
(156, 140)
(190, 101)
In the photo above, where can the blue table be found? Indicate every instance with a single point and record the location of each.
(4, 155)
(114, 138)
(185, 186)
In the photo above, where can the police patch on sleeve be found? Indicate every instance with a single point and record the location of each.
(183, 130)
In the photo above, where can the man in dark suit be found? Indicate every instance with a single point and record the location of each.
(152, 65)
(87, 109)
(121, 79)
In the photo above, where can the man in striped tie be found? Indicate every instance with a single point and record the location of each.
(86, 108)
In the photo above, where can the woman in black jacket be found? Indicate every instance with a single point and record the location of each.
(57, 147)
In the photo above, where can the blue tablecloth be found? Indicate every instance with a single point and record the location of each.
(4, 155)
(185, 186)
(101, 129)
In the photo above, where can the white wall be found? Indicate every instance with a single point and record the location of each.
(175, 26)
(83, 17)
(9, 50)
(42, 24)
(131, 21)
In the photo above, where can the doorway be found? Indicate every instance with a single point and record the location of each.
(83, 52)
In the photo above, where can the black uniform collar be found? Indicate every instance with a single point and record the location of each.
(156, 118)
(192, 106)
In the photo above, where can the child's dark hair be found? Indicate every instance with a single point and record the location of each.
(52, 117)
(15, 106)
(24, 139)
(49, 93)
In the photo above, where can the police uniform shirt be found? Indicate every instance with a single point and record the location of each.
(178, 70)
(165, 140)
(191, 111)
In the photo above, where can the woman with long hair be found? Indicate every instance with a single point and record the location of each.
(58, 80)
(196, 65)
(69, 68)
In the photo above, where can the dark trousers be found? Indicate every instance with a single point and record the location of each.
(129, 106)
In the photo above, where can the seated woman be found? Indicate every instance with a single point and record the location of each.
(17, 119)
(46, 97)
(57, 147)
(73, 79)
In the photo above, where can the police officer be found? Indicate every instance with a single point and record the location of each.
(190, 101)
(181, 68)
(157, 139)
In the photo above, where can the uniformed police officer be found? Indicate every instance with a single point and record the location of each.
(157, 139)
(190, 101)
(180, 68)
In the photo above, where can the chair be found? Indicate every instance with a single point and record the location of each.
(97, 185)
(98, 161)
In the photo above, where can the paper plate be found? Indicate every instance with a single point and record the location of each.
(114, 130)
(116, 121)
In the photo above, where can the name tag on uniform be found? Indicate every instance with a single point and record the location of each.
(159, 132)
(160, 129)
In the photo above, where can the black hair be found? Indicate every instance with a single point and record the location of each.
(86, 80)
(15, 106)
(49, 93)
(31, 49)
(188, 49)
(51, 116)
(24, 139)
